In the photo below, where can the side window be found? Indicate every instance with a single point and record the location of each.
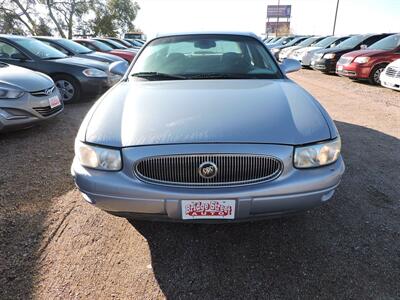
(8, 51)
(373, 39)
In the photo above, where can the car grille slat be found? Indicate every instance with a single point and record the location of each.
(345, 60)
(47, 110)
(393, 72)
(233, 169)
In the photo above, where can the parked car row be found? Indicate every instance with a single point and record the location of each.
(43, 73)
(361, 56)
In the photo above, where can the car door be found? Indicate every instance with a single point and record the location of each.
(11, 55)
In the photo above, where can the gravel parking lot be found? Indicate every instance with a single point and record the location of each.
(54, 245)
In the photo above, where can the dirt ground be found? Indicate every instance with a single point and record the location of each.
(55, 246)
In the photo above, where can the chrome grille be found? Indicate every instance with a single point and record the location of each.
(45, 92)
(393, 72)
(345, 60)
(47, 110)
(233, 169)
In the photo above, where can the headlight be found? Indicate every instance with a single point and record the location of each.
(329, 55)
(8, 93)
(98, 157)
(94, 73)
(361, 59)
(317, 155)
(274, 50)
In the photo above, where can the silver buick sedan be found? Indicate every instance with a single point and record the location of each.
(207, 128)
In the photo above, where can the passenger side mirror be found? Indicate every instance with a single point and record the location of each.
(118, 67)
(290, 65)
(363, 47)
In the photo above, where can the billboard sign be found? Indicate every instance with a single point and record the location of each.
(279, 11)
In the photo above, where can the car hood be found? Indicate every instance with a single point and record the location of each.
(139, 113)
(369, 53)
(83, 62)
(395, 63)
(117, 51)
(291, 48)
(308, 49)
(24, 79)
(105, 56)
(336, 50)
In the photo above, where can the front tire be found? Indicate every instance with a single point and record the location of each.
(69, 88)
(374, 76)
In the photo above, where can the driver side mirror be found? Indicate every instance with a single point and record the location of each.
(363, 47)
(19, 56)
(118, 67)
(290, 65)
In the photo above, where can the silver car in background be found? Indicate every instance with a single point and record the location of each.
(26, 97)
(207, 128)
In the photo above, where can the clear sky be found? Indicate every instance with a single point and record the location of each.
(308, 16)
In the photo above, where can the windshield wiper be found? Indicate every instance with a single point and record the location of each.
(220, 76)
(157, 75)
(54, 57)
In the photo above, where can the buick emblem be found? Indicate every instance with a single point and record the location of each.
(208, 170)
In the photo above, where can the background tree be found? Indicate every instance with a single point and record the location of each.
(64, 14)
(114, 16)
(18, 12)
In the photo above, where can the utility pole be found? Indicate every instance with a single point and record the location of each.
(334, 23)
(277, 20)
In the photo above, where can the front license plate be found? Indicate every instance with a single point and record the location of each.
(340, 68)
(208, 209)
(54, 102)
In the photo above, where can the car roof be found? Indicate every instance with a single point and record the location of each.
(48, 38)
(248, 34)
(13, 37)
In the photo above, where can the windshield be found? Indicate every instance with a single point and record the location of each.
(74, 46)
(295, 41)
(39, 48)
(102, 46)
(207, 56)
(352, 42)
(388, 43)
(116, 44)
(326, 42)
(133, 35)
(308, 42)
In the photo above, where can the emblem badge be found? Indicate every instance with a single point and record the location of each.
(208, 170)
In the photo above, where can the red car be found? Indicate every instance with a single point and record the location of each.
(368, 64)
(102, 47)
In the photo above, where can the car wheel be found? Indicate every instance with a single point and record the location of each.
(374, 77)
(69, 88)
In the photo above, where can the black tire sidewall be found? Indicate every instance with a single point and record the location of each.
(73, 82)
(374, 69)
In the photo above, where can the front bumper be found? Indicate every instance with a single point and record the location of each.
(353, 70)
(121, 193)
(390, 82)
(93, 87)
(26, 111)
(324, 65)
